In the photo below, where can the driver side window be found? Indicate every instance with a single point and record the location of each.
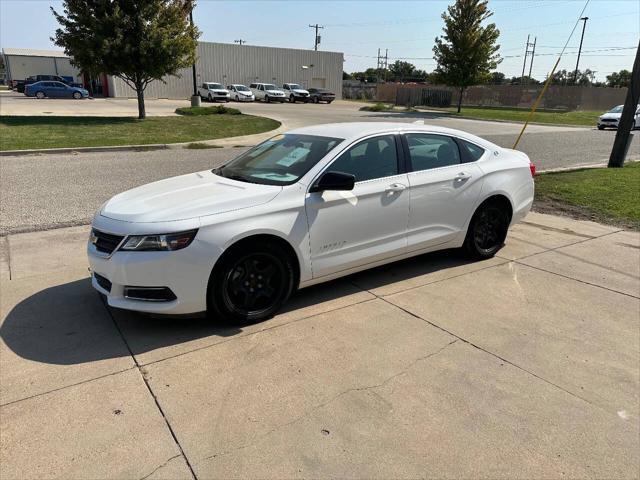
(370, 159)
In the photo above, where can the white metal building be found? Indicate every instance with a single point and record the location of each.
(21, 63)
(230, 63)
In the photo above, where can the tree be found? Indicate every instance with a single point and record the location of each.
(526, 80)
(137, 41)
(619, 79)
(497, 78)
(346, 76)
(467, 52)
(401, 70)
(564, 77)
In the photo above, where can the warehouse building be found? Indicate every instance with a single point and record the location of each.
(229, 63)
(216, 62)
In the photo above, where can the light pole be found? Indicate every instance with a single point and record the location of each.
(584, 25)
(195, 98)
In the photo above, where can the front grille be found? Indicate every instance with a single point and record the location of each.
(612, 120)
(103, 282)
(105, 242)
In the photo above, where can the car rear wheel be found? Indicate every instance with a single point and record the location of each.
(267, 99)
(40, 95)
(600, 127)
(77, 95)
(487, 230)
(251, 283)
(237, 98)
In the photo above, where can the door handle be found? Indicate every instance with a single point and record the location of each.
(463, 176)
(395, 187)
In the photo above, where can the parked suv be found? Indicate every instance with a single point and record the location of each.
(318, 95)
(267, 92)
(213, 92)
(295, 92)
(240, 93)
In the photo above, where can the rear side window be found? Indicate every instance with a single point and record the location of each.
(428, 151)
(369, 159)
(474, 151)
(253, 85)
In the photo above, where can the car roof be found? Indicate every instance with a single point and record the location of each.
(355, 130)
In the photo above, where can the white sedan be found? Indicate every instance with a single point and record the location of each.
(302, 208)
(612, 118)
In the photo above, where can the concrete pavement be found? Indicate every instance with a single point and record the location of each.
(523, 366)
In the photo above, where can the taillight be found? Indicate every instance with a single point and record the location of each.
(532, 167)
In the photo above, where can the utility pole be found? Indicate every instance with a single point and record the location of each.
(524, 64)
(527, 51)
(317, 41)
(584, 25)
(623, 138)
(533, 54)
(241, 41)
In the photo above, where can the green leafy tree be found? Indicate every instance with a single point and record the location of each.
(138, 41)
(526, 80)
(497, 78)
(619, 79)
(346, 76)
(467, 52)
(400, 70)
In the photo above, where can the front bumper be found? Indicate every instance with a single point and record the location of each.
(184, 272)
(608, 123)
(243, 98)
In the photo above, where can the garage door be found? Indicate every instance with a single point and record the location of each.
(319, 82)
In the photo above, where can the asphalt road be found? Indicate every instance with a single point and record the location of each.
(46, 191)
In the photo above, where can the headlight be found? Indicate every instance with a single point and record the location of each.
(160, 242)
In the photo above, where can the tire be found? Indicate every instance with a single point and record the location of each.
(600, 127)
(316, 100)
(250, 283)
(237, 98)
(329, 102)
(267, 99)
(487, 230)
(210, 98)
(292, 99)
(40, 95)
(77, 95)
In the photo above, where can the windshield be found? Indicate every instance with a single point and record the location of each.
(295, 86)
(617, 109)
(242, 88)
(268, 86)
(281, 160)
(213, 86)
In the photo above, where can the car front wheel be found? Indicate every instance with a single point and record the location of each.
(77, 95)
(267, 99)
(487, 230)
(292, 99)
(40, 95)
(250, 283)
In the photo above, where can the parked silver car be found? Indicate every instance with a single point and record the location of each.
(612, 118)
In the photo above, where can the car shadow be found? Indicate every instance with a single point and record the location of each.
(69, 324)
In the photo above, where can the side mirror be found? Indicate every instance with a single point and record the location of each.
(334, 181)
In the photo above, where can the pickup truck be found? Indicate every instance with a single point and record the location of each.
(267, 92)
(213, 92)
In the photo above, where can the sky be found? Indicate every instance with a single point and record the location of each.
(406, 28)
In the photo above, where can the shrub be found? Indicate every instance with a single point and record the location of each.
(217, 110)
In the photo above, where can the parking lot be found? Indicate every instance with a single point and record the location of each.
(523, 366)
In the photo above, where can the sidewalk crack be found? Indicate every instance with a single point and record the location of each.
(160, 466)
(329, 401)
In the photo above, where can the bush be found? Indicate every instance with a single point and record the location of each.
(217, 110)
(378, 107)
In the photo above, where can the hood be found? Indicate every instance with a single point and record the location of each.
(275, 91)
(187, 196)
(300, 90)
(609, 115)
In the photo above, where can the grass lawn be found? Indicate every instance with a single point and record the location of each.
(586, 118)
(608, 195)
(18, 133)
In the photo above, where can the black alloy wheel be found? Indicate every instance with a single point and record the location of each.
(487, 231)
(251, 284)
